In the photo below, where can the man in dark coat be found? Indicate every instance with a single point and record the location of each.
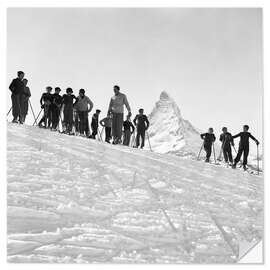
(16, 87)
(68, 102)
(243, 146)
(94, 124)
(142, 124)
(56, 107)
(227, 141)
(24, 100)
(208, 139)
(46, 102)
(128, 130)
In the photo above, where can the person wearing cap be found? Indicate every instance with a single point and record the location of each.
(226, 140)
(128, 130)
(94, 124)
(56, 106)
(116, 107)
(24, 100)
(142, 124)
(107, 124)
(67, 105)
(16, 87)
(46, 102)
(83, 106)
(208, 140)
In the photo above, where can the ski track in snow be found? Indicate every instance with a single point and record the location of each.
(75, 200)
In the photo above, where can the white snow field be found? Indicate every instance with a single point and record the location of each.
(76, 200)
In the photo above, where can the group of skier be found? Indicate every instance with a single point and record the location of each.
(75, 113)
(227, 142)
(76, 109)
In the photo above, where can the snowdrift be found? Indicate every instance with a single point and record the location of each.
(75, 200)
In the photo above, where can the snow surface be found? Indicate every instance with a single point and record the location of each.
(75, 200)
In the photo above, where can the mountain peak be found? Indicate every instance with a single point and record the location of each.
(164, 95)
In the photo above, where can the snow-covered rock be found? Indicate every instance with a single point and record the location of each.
(169, 132)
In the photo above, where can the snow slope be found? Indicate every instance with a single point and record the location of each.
(75, 200)
(169, 132)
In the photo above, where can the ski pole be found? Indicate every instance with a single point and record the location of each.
(214, 153)
(31, 108)
(149, 141)
(100, 135)
(258, 166)
(200, 152)
(234, 149)
(37, 117)
(9, 111)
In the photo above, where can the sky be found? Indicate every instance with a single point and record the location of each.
(209, 60)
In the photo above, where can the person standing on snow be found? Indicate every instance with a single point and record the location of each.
(227, 141)
(46, 102)
(107, 123)
(128, 130)
(94, 124)
(67, 104)
(209, 139)
(56, 107)
(116, 107)
(24, 100)
(243, 146)
(142, 124)
(16, 87)
(83, 105)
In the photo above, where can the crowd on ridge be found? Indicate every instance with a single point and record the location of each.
(75, 122)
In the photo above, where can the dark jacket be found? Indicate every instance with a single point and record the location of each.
(141, 121)
(128, 125)
(244, 139)
(57, 100)
(16, 86)
(208, 138)
(226, 139)
(94, 122)
(46, 99)
(68, 100)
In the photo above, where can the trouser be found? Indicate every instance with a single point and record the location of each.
(140, 134)
(76, 121)
(68, 118)
(208, 150)
(108, 134)
(47, 116)
(55, 116)
(127, 134)
(83, 122)
(241, 150)
(94, 131)
(117, 125)
(227, 153)
(16, 110)
(24, 107)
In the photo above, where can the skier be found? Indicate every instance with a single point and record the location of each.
(26, 94)
(67, 104)
(142, 124)
(116, 107)
(208, 138)
(83, 105)
(94, 124)
(243, 146)
(16, 87)
(45, 102)
(56, 107)
(107, 123)
(227, 141)
(128, 130)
